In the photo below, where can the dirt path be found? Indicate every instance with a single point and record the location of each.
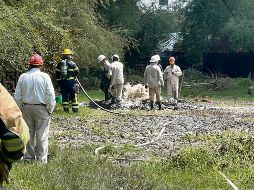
(192, 119)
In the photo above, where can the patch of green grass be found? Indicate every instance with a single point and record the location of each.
(190, 168)
(94, 94)
(237, 91)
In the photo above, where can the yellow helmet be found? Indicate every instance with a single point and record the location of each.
(67, 52)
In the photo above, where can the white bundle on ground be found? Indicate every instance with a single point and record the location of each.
(135, 93)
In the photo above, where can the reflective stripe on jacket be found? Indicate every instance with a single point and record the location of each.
(72, 70)
(15, 138)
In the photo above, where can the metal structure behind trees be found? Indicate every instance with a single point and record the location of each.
(163, 2)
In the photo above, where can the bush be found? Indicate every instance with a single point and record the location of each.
(192, 74)
(91, 83)
(222, 83)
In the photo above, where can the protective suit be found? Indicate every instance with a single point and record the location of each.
(117, 78)
(153, 79)
(66, 73)
(172, 74)
(14, 133)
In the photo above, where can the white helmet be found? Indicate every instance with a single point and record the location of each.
(158, 57)
(116, 56)
(155, 58)
(101, 57)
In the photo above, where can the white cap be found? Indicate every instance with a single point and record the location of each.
(155, 58)
(101, 57)
(117, 56)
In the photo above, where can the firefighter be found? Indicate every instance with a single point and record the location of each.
(14, 134)
(66, 73)
(117, 79)
(153, 79)
(35, 96)
(105, 77)
(172, 74)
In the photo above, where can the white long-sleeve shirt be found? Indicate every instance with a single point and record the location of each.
(117, 73)
(172, 74)
(35, 87)
(153, 76)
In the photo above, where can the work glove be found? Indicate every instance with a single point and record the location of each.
(146, 86)
(4, 173)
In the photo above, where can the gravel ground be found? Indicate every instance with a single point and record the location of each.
(190, 120)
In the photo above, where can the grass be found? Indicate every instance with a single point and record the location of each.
(237, 90)
(190, 168)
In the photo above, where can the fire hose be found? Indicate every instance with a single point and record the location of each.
(104, 109)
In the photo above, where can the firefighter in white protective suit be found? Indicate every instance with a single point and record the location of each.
(117, 79)
(153, 79)
(172, 74)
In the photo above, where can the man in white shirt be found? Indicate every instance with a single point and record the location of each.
(172, 74)
(153, 79)
(117, 79)
(35, 96)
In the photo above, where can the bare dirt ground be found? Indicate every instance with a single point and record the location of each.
(169, 130)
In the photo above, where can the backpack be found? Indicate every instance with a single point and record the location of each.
(63, 68)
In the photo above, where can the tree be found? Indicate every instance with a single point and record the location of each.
(50, 27)
(240, 27)
(202, 26)
(209, 24)
(156, 25)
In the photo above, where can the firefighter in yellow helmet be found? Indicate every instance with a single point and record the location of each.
(14, 134)
(66, 73)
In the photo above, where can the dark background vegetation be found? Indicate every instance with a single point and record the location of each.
(126, 27)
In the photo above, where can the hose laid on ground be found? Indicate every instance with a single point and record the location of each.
(118, 113)
(143, 144)
(229, 181)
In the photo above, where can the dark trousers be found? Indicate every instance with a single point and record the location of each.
(105, 88)
(69, 95)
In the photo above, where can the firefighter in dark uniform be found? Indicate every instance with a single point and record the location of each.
(105, 77)
(66, 73)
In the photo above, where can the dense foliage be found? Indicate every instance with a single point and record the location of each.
(217, 26)
(49, 26)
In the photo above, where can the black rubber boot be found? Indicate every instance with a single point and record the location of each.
(159, 105)
(75, 110)
(113, 100)
(151, 105)
(118, 102)
(66, 110)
